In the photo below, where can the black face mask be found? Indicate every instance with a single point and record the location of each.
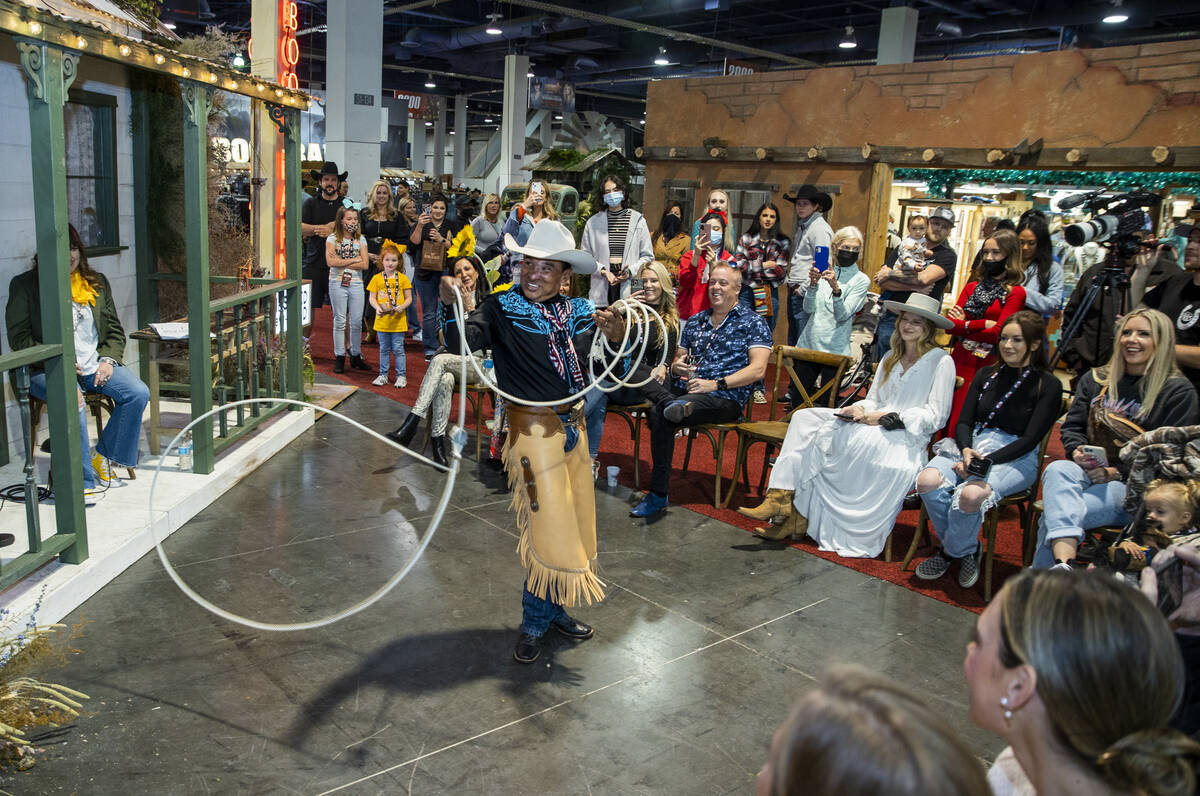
(671, 224)
(994, 269)
(846, 259)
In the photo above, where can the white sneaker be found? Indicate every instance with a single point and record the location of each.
(416, 338)
(400, 382)
(93, 496)
(380, 380)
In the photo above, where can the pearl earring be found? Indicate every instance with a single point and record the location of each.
(1004, 704)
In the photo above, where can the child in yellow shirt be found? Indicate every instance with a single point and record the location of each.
(390, 293)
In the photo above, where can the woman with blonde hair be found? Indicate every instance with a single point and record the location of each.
(1140, 389)
(717, 200)
(656, 292)
(1080, 674)
(985, 303)
(859, 734)
(841, 474)
(380, 222)
(487, 227)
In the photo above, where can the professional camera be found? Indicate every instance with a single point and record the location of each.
(1114, 220)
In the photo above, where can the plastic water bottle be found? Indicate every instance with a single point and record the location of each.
(185, 453)
(489, 371)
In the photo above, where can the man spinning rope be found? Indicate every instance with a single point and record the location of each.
(535, 336)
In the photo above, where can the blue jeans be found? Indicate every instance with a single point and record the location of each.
(427, 291)
(797, 317)
(37, 388)
(958, 530)
(391, 343)
(594, 405)
(1072, 504)
(537, 613)
(347, 306)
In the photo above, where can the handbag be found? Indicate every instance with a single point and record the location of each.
(1110, 430)
(433, 256)
(762, 299)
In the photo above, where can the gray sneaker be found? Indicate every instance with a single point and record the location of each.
(935, 566)
(968, 569)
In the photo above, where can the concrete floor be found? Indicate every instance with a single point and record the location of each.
(706, 639)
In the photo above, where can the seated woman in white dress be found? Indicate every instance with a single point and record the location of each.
(841, 474)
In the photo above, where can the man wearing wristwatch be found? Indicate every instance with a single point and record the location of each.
(722, 353)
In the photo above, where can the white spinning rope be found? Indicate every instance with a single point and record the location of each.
(459, 438)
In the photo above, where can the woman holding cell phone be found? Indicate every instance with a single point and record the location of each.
(694, 267)
(1010, 407)
(1140, 389)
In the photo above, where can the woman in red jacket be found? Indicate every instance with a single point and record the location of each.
(692, 296)
(994, 293)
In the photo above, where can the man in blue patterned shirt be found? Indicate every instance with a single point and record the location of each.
(722, 353)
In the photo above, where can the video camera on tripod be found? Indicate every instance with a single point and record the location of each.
(1115, 224)
(1115, 220)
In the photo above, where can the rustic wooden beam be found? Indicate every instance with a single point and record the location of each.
(878, 200)
(1077, 157)
(718, 152)
(1109, 159)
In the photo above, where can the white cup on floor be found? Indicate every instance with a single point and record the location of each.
(613, 472)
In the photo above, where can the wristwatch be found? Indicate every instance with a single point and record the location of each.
(110, 361)
(721, 384)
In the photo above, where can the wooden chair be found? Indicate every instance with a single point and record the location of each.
(476, 395)
(633, 415)
(96, 404)
(771, 431)
(1026, 503)
(716, 434)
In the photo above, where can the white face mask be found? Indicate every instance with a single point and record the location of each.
(614, 198)
(715, 237)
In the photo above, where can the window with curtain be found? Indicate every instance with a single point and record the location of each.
(90, 123)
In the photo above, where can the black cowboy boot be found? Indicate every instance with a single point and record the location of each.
(407, 430)
(339, 364)
(438, 447)
(356, 362)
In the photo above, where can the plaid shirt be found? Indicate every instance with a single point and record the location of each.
(752, 252)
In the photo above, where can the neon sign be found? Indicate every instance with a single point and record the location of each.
(289, 49)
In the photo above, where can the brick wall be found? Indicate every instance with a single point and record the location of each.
(1136, 96)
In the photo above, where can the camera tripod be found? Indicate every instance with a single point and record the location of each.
(1111, 282)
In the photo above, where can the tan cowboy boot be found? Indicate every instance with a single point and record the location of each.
(794, 526)
(778, 503)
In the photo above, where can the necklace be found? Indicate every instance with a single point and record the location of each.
(393, 298)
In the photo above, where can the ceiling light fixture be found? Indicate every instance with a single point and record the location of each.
(429, 82)
(661, 59)
(238, 61)
(558, 117)
(1116, 16)
(487, 120)
(848, 42)
(493, 28)
(530, 72)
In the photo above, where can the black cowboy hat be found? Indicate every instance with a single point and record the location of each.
(329, 168)
(822, 200)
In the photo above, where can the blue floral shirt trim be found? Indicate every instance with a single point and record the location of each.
(726, 349)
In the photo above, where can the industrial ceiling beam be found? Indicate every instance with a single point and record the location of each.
(666, 33)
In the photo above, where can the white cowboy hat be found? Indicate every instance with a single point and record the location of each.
(920, 304)
(550, 240)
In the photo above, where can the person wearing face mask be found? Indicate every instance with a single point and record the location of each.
(984, 304)
(717, 200)
(619, 239)
(1179, 299)
(697, 264)
(316, 224)
(830, 302)
(812, 230)
(1010, 407)
(671, 241)
(932, 279)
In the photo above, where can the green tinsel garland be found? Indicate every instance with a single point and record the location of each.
(942, 181)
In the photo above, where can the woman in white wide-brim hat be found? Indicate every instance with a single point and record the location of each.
(841, 474)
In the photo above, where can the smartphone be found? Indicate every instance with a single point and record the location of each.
(821, 258)
(426, 209)
(537, 189)
(637, 284)
(1170, 587)
(847, 418)
(1096, 454)
(979, 467)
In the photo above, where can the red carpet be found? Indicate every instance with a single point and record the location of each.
(694, 490)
